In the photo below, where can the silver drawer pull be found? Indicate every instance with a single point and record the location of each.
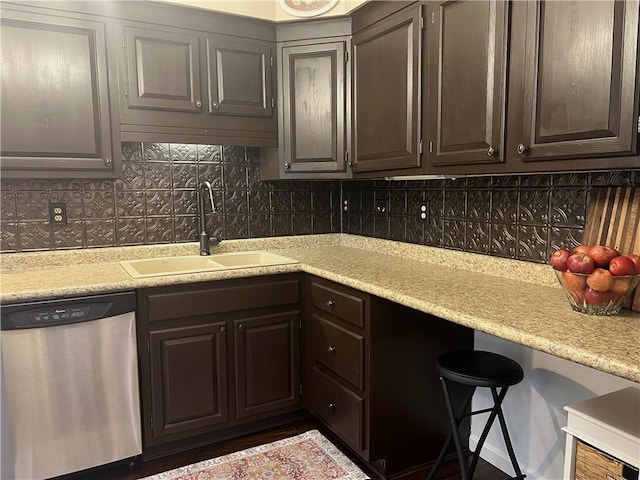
(331, 303)
(331, 406)
(331, 349)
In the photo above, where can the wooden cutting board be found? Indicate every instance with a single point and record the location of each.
(613, 218)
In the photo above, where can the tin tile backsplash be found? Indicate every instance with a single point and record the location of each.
(155, 202)
(522, 217)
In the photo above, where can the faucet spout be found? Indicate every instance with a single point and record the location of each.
(205, 238)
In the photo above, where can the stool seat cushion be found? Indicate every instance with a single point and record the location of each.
(479, 369)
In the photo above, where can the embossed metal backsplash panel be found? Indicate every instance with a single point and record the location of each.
(155, 202)
(522, 217)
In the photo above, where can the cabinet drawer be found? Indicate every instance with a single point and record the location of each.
(339, 303)
(339, 350)
(339, 407)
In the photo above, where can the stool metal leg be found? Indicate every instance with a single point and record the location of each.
(454, 422)
(507, 439)
(495, 411)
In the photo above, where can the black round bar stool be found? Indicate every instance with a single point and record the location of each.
(475, 368)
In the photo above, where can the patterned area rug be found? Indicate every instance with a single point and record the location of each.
(308, 456)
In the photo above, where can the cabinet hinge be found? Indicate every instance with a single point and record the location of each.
(430, 147)
(638, 124)
(148, 348)
(346, 56)
(273, 103)
(433, 17)
(421, 147)
(300, 389)
(271, 61)
(122, 42)
(421, 23)
(126, 91)
(151, 423)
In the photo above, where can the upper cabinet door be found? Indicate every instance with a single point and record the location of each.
(57, 117)
(387, 93)
(240, 76)
(467, 51)
(313, 78)
(163, 69)
(579, 91)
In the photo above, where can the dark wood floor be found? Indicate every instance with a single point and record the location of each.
(448, 471)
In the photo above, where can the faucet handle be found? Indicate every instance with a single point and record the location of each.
(214, 240)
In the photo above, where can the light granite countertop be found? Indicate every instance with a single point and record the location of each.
(514, 300)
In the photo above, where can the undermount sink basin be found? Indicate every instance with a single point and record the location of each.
(154, 267)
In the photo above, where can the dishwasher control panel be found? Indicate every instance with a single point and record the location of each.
(56, 314)
(65, 311)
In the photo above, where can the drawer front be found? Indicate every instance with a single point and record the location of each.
(168, 303)
(341, 304)
(339, 407)
(339, 350)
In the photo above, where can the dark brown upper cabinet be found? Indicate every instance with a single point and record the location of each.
(566, 100)
(58, 119)
(239, 74)
(313, 93)
(314, 107)
(163, 71)
(575, 84)
(193, 86)
(386, 97)
(467, 51)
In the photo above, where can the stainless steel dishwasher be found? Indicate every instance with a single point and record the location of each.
(69, 385)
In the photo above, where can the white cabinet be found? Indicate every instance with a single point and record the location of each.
(610, 423)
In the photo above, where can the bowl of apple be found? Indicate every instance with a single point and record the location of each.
(596, 279)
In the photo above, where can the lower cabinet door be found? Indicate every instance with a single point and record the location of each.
(339, 407)
(266, 363)
(188, 379)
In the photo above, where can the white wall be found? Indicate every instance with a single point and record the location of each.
(534, 408)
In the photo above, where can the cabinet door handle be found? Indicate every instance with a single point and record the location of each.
(198, 103)
(331, 303)
(287, 166)
(331, 406)
(215, 105)
(522, 148)
(223, 331)
(240, 327)
(331, 349)
(492, 152)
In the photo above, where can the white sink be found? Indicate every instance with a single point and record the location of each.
(154, 267)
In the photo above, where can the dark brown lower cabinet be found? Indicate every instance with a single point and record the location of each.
(266, 352)
(188, 398)
(216, 356)
(370, 374)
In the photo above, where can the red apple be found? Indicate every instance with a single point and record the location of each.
(581, 249)
(600, 279)
(580, 263)
(596, 297)
(620, 266)
(602, 255)
(635, 259)
(559, 258)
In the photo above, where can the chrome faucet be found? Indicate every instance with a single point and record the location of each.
(206, 240)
